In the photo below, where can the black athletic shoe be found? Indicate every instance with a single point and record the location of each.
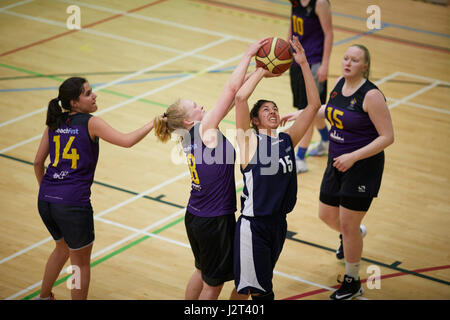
(340, 250)
(349, 289)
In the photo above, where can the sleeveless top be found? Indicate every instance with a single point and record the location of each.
(270, 179)
(305, 24)
(73, 159)
(213, 188)
(351, 127)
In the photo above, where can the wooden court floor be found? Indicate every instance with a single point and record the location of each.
(142, 55)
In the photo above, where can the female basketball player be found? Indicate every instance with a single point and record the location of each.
(270, 180)
(71, 139)
(361, 128)
(209, 219)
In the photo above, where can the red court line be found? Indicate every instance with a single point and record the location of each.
(387, 276)
(284, 17)
(84, 27)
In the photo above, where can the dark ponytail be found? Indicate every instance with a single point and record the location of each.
(70, 89)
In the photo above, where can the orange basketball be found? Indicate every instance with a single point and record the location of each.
(275, 56)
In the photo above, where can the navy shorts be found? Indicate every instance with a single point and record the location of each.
(211, 241)
(73, 223)
(258, 245)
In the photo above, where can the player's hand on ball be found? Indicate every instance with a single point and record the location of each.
(268, 74)
(254, 47)
(298, 51)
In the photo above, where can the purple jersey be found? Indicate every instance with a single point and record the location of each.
(306, 26)
(73, 159)
(213, 190)
(351, 127)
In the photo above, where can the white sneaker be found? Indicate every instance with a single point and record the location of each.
(340, 250)
(318, 149)
(301, 165)
(363, 230)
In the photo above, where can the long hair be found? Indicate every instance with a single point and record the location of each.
(70, 89)
(366, 58)
(173, 119)
(255, 110)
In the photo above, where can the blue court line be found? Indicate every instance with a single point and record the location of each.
(180, 75)
(385, 24)
(356, 36)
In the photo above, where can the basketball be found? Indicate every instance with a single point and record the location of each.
(275, 56)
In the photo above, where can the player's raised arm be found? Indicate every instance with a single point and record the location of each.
(212, 118)
(304, 120)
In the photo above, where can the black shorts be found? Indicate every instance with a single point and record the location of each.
(362, 180)
(73, 223)
(211, 241)
(298, 86)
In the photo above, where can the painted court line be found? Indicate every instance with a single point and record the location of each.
(149, 235)
(386, 276)
(159, 21)
(75, 30)
(105, 35)
(123, 203)
(13, 5)
(150, 92)
(104, 250)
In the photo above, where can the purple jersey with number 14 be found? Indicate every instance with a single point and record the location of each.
(73, 159)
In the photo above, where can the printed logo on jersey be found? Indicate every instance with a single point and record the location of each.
(361, 188)
(60, 175)
(335, 136)
(190, 147)
(67, 131)
(278, 141)
(333, 94)
(352, 104)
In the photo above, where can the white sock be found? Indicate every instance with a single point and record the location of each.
(352, 269)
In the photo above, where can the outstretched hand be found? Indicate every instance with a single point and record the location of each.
(298, 51)
(254, 47)
(290, 117)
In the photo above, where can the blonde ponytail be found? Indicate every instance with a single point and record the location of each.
(170, 121)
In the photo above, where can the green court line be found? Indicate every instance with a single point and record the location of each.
(115, 93)
(110, 255)
(116, 252)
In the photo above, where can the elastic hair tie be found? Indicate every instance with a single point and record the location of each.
(164, 115)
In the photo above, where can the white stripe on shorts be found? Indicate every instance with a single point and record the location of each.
(247, 277)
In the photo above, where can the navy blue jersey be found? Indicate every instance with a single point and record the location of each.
(270, 179)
